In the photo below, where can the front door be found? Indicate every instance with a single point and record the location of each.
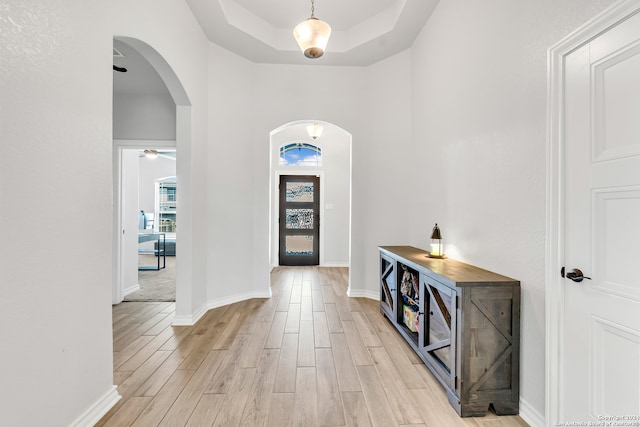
(600, 343)
(299, 220)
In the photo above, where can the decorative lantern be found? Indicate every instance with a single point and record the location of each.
(436, 243)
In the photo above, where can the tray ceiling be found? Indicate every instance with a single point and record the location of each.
(363, 31)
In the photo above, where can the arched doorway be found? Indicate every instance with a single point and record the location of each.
(182, 144)
(333, 170)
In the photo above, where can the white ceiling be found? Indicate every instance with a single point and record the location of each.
(363, 31)
(141, 78)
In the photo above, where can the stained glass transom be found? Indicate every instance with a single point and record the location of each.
(300, 154)
(299, 192)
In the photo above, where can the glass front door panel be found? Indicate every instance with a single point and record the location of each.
(299, 219)
(299, 245)
(301, 192)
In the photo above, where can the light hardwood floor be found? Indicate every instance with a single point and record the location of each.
(308, 356)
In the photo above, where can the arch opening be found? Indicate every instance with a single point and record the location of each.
(181, 141)
(334, 173)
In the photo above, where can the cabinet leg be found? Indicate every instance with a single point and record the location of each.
(469, 410)
(506, 408)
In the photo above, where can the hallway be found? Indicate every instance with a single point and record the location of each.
(308, 356)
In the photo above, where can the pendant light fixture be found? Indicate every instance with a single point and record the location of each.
(312, 35)
(315, 130)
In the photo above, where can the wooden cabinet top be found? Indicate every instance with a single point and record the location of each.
(452, 272)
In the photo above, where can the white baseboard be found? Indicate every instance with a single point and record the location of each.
(190, 320)
(264, 294)
(335, 264)
(359, 293)
(130, 290)
(530, 415)
(215, 303)
(219, 302)
(92, 415)
(326, 264)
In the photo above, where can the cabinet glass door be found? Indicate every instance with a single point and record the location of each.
(387, 285)
(437, 332)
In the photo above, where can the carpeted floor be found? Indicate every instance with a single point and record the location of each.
(155, 285)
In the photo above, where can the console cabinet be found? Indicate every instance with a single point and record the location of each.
(463, 322)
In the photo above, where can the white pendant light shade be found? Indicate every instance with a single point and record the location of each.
(315, 130)
(312, 36)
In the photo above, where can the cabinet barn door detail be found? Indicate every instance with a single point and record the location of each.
(388, 285)
(437, 340)
(488, 360)
(468, 328)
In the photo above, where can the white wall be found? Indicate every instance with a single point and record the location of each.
(56, 107)
(248, 101)
(479, 81)
(338, 95)
(137, 116)
(173, 32)
(335, 188)
(386, 194)
(229, 184)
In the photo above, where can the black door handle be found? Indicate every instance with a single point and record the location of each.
(575, 275)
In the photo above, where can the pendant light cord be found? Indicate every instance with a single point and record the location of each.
(313, 8)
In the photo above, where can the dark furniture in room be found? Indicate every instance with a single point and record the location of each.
(463, 322)
(158, 250)
(169, 247)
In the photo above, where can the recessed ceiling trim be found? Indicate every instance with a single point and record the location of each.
(342, 41)
(370, 38)
(364, 32)
(248, 22)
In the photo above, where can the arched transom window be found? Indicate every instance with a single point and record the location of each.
(300, 154)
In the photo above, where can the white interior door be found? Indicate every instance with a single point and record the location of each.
(130, 168)
(600, 343)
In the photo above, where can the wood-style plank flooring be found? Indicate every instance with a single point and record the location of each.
(308, 356)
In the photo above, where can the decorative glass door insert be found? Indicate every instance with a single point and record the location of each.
(299, 220)
(439, 326)
(388, 285)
